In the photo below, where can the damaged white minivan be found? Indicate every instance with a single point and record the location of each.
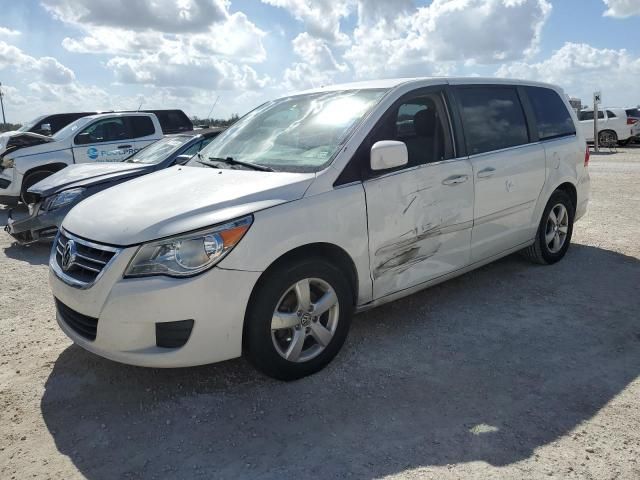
(313, 207)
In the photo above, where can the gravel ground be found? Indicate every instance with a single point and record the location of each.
(511, 371)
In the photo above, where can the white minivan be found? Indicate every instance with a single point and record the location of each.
(313, 207)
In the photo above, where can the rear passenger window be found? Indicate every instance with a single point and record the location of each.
(552, 117)
(141, 126)
(610, 114)
(588, 115)
(492, 117)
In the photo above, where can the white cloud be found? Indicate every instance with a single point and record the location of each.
(427, 40)
(622, 8)
(582, 69)
(47, 69)
(7, 32)
(171, 16)
(321, 17)
(318, 67)
(162, 70)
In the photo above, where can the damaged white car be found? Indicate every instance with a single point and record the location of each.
(313, 207)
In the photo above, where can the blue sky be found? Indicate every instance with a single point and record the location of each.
(66, 55)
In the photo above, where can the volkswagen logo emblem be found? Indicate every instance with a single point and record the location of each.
(69, 255)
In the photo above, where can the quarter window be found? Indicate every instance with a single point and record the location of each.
(552, 117)
(492, 118)
(107, 130)
(610, 114)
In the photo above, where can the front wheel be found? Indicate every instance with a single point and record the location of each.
(298, 319)
(554, 232)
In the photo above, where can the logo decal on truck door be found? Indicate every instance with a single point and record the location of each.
(92, 153)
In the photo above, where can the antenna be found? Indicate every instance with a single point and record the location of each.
(140, 106)
(4, 120)
(213, 106)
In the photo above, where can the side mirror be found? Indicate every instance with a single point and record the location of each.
(46, 128)
(182, 159)
(388, 154)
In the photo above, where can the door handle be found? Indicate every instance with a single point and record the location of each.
(124, 146)
(455, 180)
(487, 172)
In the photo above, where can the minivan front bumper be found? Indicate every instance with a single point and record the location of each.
(127, 311)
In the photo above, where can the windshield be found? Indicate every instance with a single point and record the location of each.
(294, 134)
(71, 128)
(159, 151)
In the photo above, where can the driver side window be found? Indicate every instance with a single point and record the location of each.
(107, 130)
(419, 123)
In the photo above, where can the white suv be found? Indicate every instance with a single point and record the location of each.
(614, 126)
(313, 207)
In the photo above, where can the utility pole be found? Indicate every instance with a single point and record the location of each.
(4, 120)
(596, 102)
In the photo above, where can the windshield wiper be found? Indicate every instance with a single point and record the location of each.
(232, 161)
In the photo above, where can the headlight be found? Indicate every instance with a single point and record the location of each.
(7, 163)
(61, 199)
(188, 254)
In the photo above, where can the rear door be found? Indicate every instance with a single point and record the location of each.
(105, 140)
(420, 215)
(143, 131)
(508, 167)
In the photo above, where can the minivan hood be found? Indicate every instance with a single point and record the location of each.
(85, 175)
(177, 200)
(19, 140)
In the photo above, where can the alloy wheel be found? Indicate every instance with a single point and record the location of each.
(305, 320)
(557, 228)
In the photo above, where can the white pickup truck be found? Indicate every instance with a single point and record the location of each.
(26, 158)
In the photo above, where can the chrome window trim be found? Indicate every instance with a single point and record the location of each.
(72, 282)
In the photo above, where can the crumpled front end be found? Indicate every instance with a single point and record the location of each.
(38, 226)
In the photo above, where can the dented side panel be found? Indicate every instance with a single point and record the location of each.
(419, 224)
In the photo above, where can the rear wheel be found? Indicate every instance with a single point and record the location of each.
(607, 138)
(298, 319)
(29, 181)
(554, 232)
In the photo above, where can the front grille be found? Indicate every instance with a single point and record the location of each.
(84, 326)
(89, 258)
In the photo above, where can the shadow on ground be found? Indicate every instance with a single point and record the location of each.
(488, 367)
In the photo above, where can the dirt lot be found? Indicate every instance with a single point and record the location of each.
(511, 371)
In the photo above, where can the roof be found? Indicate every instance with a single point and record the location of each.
(395, 82)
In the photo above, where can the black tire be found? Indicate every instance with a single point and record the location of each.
(29, 181)
(540, 252)
(607, 138)
(259, 347)
(624, 143)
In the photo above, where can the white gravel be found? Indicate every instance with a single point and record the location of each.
(511, 371)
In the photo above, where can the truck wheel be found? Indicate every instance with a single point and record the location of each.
(29, 181)
(554, 232)
(298, 319)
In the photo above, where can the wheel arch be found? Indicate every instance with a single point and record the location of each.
(48, 167)
(571, 190)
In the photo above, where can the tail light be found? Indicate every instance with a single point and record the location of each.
(587, 154)
(632, 121)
